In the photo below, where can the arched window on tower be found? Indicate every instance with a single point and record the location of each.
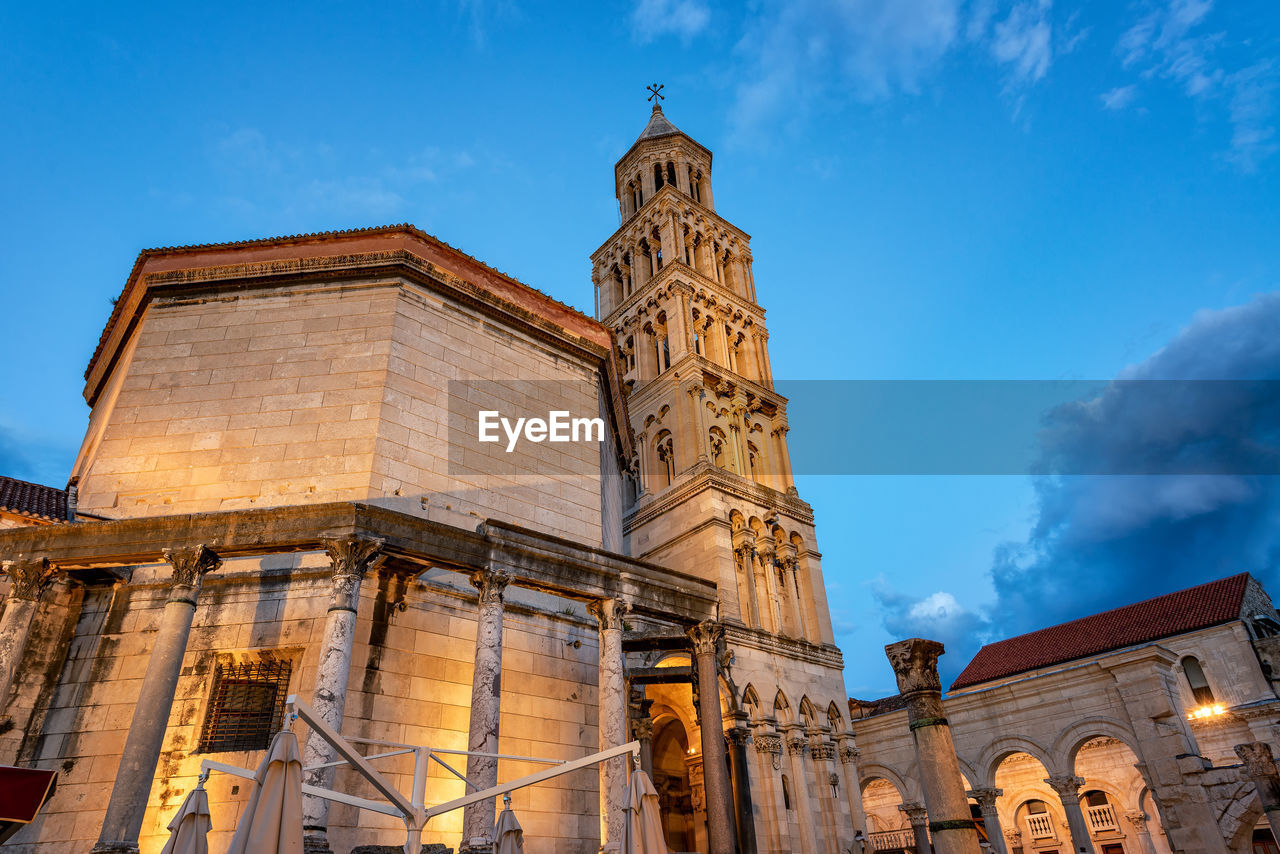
(1196, 680)
(699, 337)
(639, 191)
(695, 184)
(665, 450)
(671, 173)
(719, 450)
(657, 177)
(753, 461)
(661, 343)
(730, 348)
(629, 353)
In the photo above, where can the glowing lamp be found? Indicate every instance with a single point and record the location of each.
(1212, 710)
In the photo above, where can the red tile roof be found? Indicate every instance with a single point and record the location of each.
(32, 499)
(1175, 613)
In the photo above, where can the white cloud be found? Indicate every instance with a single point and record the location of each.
(1119, 97)
(1251, 108)
(1024, 42)
(683, 18)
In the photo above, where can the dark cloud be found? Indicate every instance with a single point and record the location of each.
(1107, 540)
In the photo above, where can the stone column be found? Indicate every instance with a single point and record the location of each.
(1068, 788)
(915, 664)
(986, 799)
(919, 818)
(128, 804)
(769, 749)
(28, 581)
(486, 705)
(797, 746)
(744, 809)
(642, 731)
(708, 638)
(350, 559)
(612, 721)
(849, 753)
(1139, 822)
(1260, 767)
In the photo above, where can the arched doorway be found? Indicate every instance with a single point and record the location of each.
(671, 779)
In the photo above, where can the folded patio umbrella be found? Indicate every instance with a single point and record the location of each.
(508, 836)
(643, 833)
(272, 820)
(190, 825)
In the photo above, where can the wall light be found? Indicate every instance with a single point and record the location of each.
(1208, 711)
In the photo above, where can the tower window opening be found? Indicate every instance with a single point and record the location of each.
(695, 184)
(786, 793)
(671, 173)
(1196, 681)
(657, 177)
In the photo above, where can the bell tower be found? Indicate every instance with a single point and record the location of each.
(714, 493)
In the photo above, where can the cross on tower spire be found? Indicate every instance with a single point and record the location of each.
(656, 89)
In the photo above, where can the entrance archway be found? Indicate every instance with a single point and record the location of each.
(671, 779)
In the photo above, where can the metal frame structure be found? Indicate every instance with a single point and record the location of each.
(413, 810)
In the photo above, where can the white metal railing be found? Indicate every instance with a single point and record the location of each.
(1040, 825)
(1102, 818)
(892, 840)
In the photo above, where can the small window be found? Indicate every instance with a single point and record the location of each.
(786, 792)
(1196, 680)
(1037, 807)
(671, 173)
(657, 176)
(1094, 798)
(247, 706)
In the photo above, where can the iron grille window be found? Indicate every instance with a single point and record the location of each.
(247, 707)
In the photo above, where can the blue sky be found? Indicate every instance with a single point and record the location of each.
(936, 189)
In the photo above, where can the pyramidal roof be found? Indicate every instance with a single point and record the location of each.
(658, 125)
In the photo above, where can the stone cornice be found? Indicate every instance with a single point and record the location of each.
(669, 271)
(825, 654)
(654, 203)
(705, 476)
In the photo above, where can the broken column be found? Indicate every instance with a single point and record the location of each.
(612, 718)
(707, 638)
(128, 804)
(351, 558)
(28, 580)
(1260, 766)
(486, 708)
(915, 664)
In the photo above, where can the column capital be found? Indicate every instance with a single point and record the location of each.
(916, 813)
(915, 664)
(1138, 820)
(491, 584)
(29, 578)
(985, 797)
(351, 558)
(190, 565)
(849, 752)
(1257, 758)
(1066, 785)
(738, 736)
(609, 613)
(706, 637)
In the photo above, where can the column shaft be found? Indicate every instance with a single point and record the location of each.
(350, 558)
(744, 809)
(919, 818)
(915, 663)
(986, 799)
(486, 707)
(612, 722)
(707, 639)
(1068, 789)
(128, 803)
(28, 580)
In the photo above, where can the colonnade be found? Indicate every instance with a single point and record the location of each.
(352, 558)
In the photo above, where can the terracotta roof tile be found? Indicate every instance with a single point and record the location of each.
(1197, 607)
(32, 499)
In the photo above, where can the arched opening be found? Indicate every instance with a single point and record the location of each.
(657, 177)
(671, 779)
(665, 450)
(671, 173)
(1038, 814)
(661, 343)
(887, 824)
(1197, 681)
(717, 443)
(638, 193)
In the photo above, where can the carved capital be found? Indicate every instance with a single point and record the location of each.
(351, 558)
(986, 798)
(916, 813)
(767, 743)
(823, 751)
(1257, 759)
(642, 729)
(1014, 836)
(797, 744)
(189, 568)
(29, 578)
(706, 637)
(1066, 785)
(491, 583)
(849, 754)
(915, 663)
(738, 736)
(609, 613)
(1138, 820)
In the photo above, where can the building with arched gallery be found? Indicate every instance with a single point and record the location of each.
(292, 482)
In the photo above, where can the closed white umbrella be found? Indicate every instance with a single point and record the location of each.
(272, 820)
(190, 825)
(643, 833)
(508, 836)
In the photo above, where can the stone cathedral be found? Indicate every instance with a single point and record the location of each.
(281, 492)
